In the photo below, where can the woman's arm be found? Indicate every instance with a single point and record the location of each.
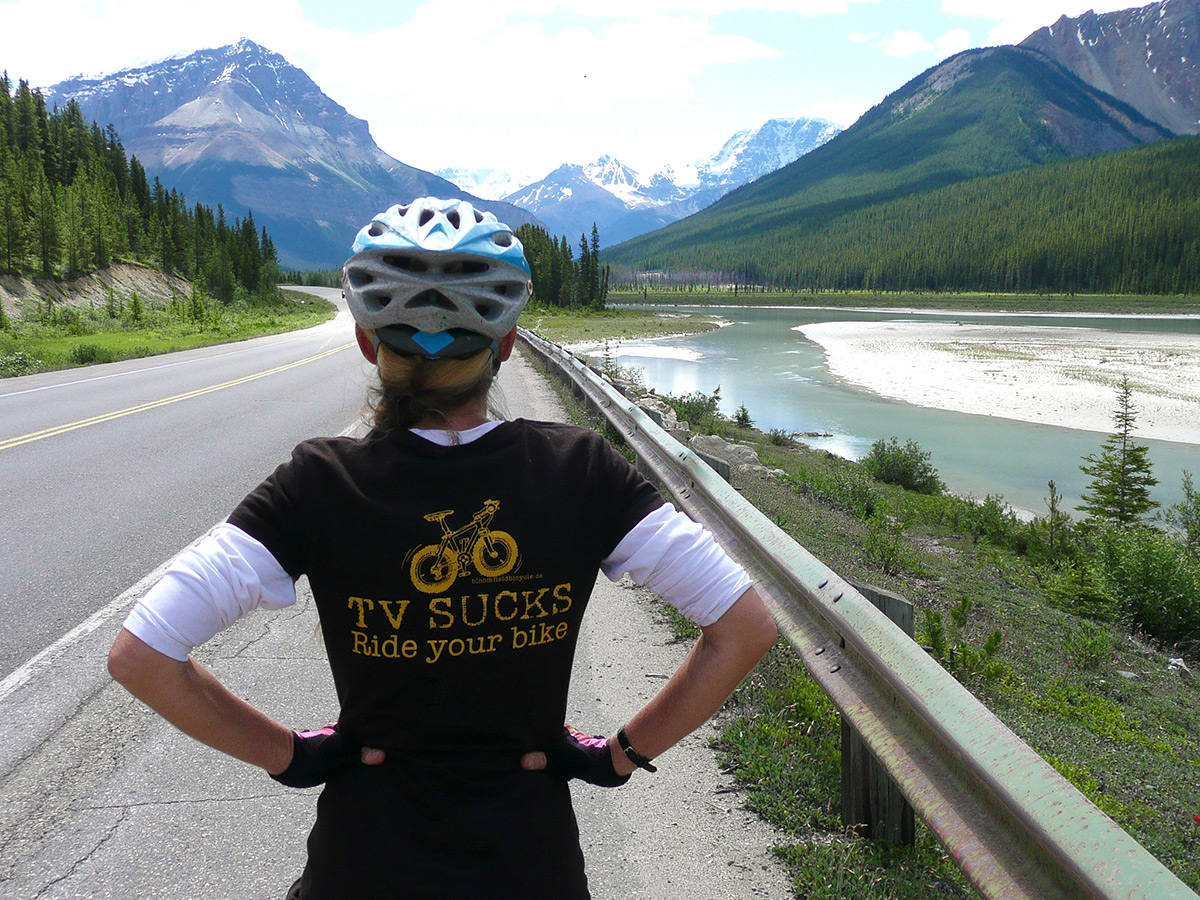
(726, 651)
(189, 697)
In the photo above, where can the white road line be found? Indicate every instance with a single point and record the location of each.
(22, 675)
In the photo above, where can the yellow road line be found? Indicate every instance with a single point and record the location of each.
(108, 417)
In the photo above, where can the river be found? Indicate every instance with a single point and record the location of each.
(782, 378)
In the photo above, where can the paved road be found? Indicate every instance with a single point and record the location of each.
(106, 471)
(99, 798)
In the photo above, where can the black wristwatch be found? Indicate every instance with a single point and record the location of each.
(634, 757)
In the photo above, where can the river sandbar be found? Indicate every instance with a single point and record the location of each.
(1048, 375)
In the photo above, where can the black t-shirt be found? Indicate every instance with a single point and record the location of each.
(450, 583)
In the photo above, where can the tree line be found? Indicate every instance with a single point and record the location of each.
(71, 202)
(1126, 222)
(559, 279)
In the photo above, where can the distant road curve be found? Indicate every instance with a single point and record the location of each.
(107, 471)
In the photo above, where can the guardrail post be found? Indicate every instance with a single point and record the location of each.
(871, 802)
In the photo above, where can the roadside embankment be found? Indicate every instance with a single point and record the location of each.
(152, 285)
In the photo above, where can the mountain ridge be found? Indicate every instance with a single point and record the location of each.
(241, 127)
(1148, 57)
(565, 198)
(977, 113)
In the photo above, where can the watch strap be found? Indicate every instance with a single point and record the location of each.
(634, 757)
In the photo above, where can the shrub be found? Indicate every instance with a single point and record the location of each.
(906, 466)
(780, 438)
(1090, 648)
(18, 363)
(846, 488)
(86, 354)
(1154, 581)
(698, 409)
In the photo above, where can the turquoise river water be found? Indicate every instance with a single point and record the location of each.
(782, 379)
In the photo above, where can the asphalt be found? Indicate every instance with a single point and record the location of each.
(101, 799)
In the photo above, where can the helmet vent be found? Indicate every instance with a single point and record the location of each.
(465, 267)
(359, 279)
(426, 215)
(478, 216)
(502, 290)
(407, 263)
(452, 217)
(430, 299)
(502, 239)
(376, 299)
(376, 229)
(487, 311)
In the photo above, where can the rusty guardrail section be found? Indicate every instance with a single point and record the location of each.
(1014, 826)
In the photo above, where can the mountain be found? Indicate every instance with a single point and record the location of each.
(977, 113)
(569, 202)
(488, 184)
(242, 127)
(1149, 57)
(754, 152)
(566, 201)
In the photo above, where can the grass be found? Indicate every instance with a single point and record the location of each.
(1095, 699)
(1131, 744)
(45, 338)
(565, 326)
(1110, 304)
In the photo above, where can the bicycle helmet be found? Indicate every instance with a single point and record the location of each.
(437, 278)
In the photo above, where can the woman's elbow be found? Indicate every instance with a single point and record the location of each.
(132, 662)
(748, 625)
(765, 632)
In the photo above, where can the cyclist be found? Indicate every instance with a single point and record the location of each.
(461, 692)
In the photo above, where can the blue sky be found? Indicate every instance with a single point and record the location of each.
(526, 85)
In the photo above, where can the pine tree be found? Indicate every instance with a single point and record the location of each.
(1119, 491)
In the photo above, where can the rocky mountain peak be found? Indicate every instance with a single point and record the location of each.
(241, 126)
(1148, 57)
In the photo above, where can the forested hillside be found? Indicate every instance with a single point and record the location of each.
(977, 114)
(1125, 222)
(71, 202)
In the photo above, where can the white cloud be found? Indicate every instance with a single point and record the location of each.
(858, 37)
(523, 84)
(905, 43)
(841, 111)
(953, 42)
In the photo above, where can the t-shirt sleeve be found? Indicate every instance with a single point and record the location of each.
(273, 513)
(680, 561)
(206, 589)
(621, 484)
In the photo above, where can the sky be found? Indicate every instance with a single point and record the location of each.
(526, 85)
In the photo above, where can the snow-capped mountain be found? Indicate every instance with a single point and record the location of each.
(240, 126)
(755, 152)
(570, 202)
(1149, 57)
(624, 203)
(489, 184)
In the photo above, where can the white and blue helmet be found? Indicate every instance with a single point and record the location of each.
(437, 278)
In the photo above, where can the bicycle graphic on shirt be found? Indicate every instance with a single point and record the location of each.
(435, 567)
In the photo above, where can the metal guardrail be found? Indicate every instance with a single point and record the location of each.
(1015, 827)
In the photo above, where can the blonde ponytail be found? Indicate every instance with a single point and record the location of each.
(413, 387)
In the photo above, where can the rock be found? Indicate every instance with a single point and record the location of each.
(664, 417)
(1178, 665)
(734, 454)
(1125, 674)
